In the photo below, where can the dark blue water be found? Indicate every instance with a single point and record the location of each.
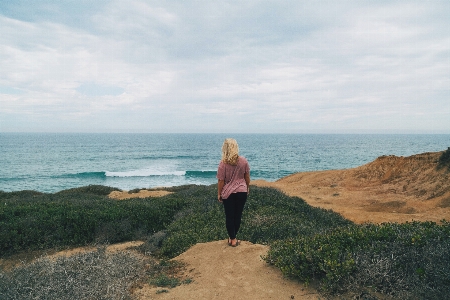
(54, 162)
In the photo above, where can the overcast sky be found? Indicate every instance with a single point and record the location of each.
(225, 66)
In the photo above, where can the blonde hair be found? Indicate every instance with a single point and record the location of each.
(230, 151)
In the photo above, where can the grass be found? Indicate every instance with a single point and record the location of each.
(402, 261)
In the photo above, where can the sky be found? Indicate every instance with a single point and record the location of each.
(225, 66)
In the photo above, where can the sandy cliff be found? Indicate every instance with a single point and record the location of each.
(391, 188)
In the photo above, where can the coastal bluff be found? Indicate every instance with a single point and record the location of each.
(388, 189)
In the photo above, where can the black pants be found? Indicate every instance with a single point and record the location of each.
(234, 206)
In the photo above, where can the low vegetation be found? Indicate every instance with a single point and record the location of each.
(402, 261)
(444, 159)
(75, 217)
(269, 216)
(91, 275)
(405, 261)
(168, 274)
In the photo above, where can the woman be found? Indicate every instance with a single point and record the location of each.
(233, 177)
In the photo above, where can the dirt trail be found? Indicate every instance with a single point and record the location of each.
(389, 189)
(144, 193)
(217, 270)
(223, 272)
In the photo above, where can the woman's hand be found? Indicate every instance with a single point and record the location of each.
(220, 184)
(247, 181)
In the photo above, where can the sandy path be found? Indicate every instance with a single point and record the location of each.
(223, 272)
(217, 270)
(123, 195)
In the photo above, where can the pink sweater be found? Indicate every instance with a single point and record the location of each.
(233, 177)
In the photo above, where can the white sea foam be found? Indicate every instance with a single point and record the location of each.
(145, 173)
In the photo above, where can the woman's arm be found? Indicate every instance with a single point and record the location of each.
(247, 181)
(220, 185)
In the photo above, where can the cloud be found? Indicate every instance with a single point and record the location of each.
(10, 90)
(95, 90)
(253, 66)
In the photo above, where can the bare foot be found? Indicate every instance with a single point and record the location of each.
(235, 242)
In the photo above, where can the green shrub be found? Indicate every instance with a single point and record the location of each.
(444, 159)
(19, 194)
(405, 261)
(163, 280)
(30, 221)
(98, 190)
(134, 191)
(168, 273)
(269, 215)
(402, 260)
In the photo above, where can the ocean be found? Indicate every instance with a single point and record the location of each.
(51, 162)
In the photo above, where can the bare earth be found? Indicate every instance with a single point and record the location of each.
(122, 195)
(389, 189)
(223, 272)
